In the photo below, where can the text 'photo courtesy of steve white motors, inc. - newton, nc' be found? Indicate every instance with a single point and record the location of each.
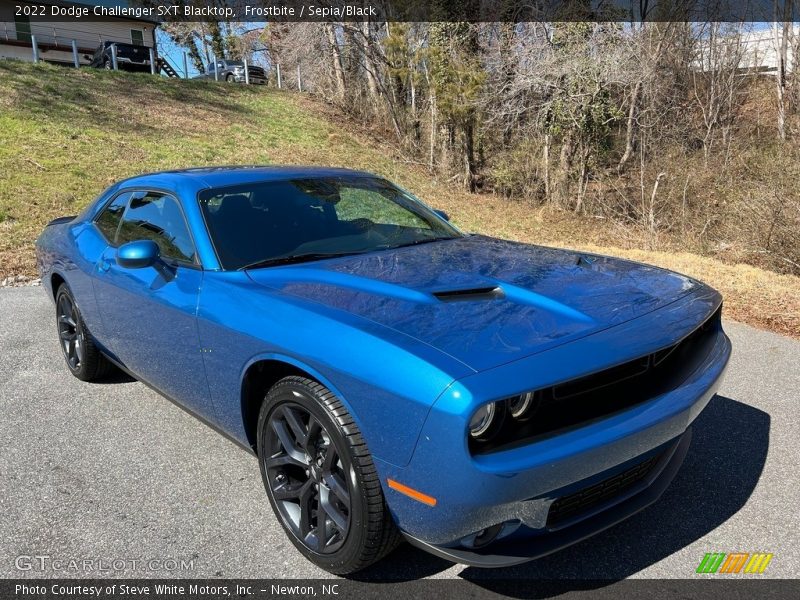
(141, 589)
(226, 11)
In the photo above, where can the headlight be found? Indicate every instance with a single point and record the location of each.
(483, 420)
(523, 406)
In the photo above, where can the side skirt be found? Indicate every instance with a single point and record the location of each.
(189, 411)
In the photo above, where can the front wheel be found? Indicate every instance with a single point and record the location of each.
(320, 478)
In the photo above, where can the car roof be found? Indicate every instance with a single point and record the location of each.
(209, 177)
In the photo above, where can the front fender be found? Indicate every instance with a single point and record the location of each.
(388, 381)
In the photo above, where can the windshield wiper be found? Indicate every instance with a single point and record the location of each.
(296, 258)
(424, 241)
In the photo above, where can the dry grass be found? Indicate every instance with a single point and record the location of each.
(752, 295)
(65, 135)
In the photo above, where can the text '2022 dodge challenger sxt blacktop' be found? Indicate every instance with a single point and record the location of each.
(489, 401)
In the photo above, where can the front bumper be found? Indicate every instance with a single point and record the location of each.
(254, 79)
(527, 544)
(521, 485)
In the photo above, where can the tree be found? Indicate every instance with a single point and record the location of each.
(457, 78)
(783, 31)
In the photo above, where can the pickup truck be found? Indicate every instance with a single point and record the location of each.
(129, 57)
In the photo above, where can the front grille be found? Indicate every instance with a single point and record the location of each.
(569, 507)
(583, 400)
(256, 72)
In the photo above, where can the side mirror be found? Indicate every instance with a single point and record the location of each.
(442, 214)
(138, 254)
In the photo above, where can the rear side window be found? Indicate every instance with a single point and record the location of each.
(158, 217)
(109, 218)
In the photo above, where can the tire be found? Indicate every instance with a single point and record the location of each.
(83, 358)
(340, 479)
(229, 78)
(107, 64)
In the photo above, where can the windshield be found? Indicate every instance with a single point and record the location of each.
(278, 222)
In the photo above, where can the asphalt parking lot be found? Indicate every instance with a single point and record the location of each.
(113, 471)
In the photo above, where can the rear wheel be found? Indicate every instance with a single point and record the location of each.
(320, 478)
(83, 358)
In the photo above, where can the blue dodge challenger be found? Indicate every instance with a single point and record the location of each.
(488, 401)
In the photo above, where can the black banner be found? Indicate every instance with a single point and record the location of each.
(733, 588)
(410, 10)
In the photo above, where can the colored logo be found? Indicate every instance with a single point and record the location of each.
(736, 562)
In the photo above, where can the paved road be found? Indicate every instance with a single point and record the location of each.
(113, 471)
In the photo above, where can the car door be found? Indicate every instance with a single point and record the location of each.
(149, 313)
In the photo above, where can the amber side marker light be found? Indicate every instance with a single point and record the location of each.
(411, 493)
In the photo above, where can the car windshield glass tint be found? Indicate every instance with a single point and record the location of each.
(279, 222)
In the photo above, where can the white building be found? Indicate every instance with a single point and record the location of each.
(753, 47)
(54, 39)
(760, 48)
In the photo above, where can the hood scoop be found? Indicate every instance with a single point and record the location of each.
(476, 293)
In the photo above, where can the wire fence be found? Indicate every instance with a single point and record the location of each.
(44, 38)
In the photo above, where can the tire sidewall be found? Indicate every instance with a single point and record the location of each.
(287, 393)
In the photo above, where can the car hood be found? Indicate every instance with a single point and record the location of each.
(483, 301)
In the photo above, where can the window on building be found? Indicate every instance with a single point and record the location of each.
(23, 26)
(137, 37)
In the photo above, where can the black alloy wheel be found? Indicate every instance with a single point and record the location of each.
(307, 478)
(72, 337)
(84, 359)
(320, 478)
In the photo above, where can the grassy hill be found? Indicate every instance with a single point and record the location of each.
(65, 135)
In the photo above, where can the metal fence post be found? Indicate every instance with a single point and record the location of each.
(278, 66)
(216, 71)
(114, 56)
(246, 73)
(152, 61)
(35, 49)
(299, 80)
(75, 58)
(185, 65)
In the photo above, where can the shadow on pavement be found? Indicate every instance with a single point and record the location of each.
(114, 377)
(729, 448)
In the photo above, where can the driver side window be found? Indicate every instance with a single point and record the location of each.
(158, 217)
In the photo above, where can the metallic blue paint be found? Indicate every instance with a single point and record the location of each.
(410, 367)
(137, 254)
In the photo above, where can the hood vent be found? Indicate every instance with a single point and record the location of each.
(478, 293)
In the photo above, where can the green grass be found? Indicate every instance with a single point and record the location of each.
(65, 135)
